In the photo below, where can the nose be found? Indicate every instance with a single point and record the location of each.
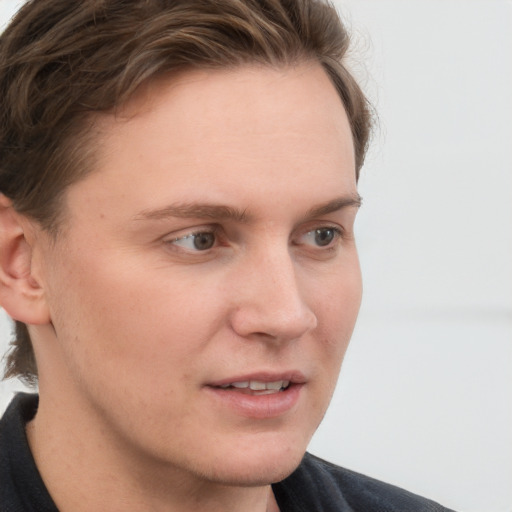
(269, 299)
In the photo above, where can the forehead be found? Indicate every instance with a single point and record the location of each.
(214, 107)
(219, 134)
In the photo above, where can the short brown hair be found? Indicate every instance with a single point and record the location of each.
(62, 60)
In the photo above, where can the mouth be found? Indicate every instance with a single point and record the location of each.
(257, 387)
(260, 383)
(261, 396)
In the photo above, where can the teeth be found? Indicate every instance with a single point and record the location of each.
(257, 385)
(244, 384)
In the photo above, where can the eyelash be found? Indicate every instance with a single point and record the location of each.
(333, 243)
(206, 231)
(338, 235)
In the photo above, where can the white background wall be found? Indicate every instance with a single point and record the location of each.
(425, 396)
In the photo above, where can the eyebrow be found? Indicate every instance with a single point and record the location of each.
(221, 212)
(194, 210)
(340, 203)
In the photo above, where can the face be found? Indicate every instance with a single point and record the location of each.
(206, 283)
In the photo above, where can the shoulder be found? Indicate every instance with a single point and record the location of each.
(322, 486)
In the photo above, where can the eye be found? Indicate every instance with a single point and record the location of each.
(200, 241)
(321, 237)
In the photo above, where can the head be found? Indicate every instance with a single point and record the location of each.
(63, 62)
(100, 99)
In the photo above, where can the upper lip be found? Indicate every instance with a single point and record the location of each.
(293, 376)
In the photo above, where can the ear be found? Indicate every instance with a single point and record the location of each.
(21, 295)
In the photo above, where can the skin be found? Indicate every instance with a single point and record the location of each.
(137, 324)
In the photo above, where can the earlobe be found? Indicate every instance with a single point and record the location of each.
(21, 295)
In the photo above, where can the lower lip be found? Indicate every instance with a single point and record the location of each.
(258, 406)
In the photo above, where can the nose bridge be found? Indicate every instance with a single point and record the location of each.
(271, 297)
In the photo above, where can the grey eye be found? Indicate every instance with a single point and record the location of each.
(201, 241)
(324, 236)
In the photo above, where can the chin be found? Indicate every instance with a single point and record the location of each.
(250, 469)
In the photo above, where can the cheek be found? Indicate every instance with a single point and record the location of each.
(140, 320)
(337, 314)
(340, 298)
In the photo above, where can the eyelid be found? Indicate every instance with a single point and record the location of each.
(191, 232)
(339, 234)
(296, 240)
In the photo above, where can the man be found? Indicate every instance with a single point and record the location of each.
(178, 186)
